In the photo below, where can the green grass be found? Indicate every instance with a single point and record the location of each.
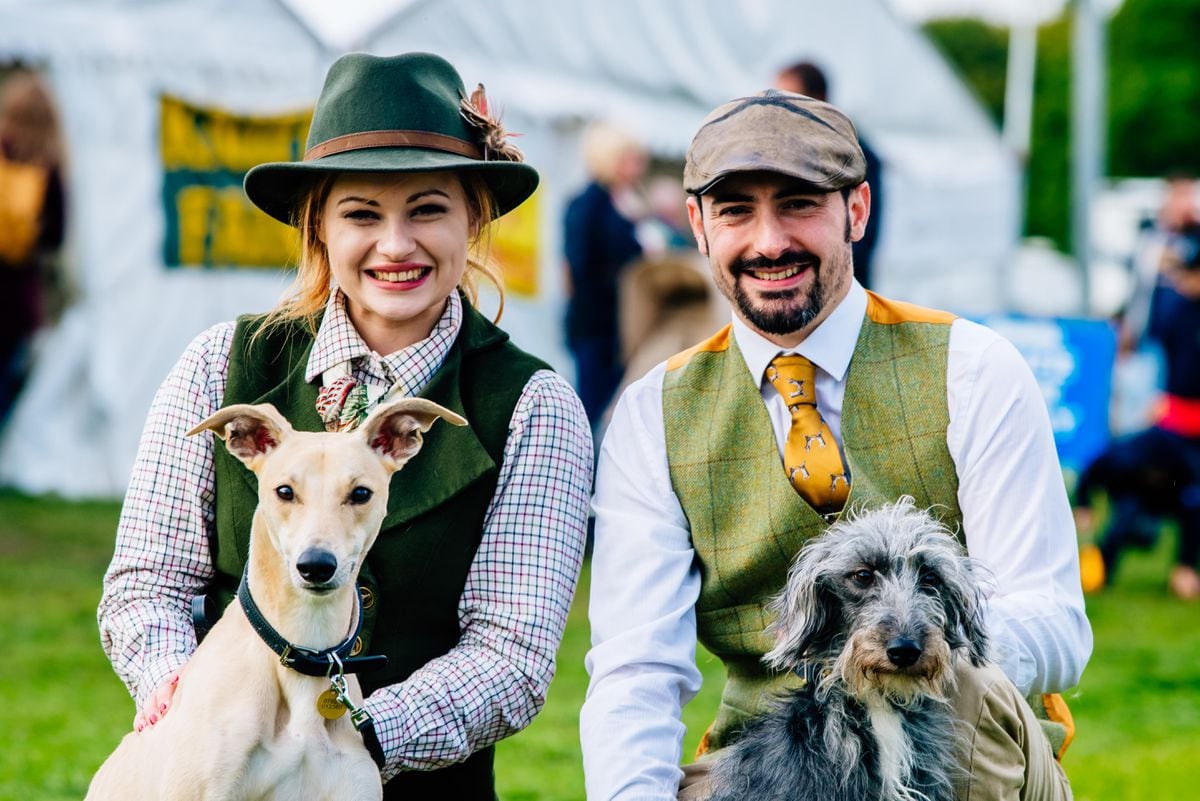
(62, 709)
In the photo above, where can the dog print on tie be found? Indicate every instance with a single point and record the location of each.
(810, 455)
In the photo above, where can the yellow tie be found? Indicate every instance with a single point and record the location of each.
(810, 454)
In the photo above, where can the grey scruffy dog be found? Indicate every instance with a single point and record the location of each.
(875, 613)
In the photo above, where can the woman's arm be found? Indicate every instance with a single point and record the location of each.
(161, 560)
(514, 605)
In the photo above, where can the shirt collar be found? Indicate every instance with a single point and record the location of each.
(829, 346)
(338, 341)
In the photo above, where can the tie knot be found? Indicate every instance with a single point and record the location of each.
(793, 377)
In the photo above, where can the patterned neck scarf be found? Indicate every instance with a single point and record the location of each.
(354, 379)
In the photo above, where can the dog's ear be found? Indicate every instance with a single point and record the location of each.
(395, 430)
(964, 611)
(807, 612)
(249, 431)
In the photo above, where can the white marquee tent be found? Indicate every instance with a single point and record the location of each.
(952, 190)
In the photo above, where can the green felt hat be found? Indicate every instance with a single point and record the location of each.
(406, 113)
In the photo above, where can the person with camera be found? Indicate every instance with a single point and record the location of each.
(1155, 473)
(1175, 325)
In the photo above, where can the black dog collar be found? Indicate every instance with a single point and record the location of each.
(306, 660)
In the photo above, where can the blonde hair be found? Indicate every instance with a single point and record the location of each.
(604, 145)
(314, 276)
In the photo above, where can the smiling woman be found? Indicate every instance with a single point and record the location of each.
(467, 588)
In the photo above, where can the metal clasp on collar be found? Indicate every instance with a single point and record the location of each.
(285, 658)
(359, 716)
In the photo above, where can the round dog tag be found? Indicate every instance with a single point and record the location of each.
(328, 705)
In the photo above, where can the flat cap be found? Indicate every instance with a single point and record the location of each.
(776, 131)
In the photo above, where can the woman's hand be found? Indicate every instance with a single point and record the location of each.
(159, 702)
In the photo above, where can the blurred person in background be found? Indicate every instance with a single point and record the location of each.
(806, 78)
(667, 299)
(665, 226)
(600, 240)
(470, 580)
(1154, 474)
(32, 214)
(1179, 210)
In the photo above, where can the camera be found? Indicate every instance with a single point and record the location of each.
(1183, 248)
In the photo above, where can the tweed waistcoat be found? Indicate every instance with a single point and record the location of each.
(748, 523)
(414, 575)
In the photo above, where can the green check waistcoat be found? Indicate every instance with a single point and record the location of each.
(748, 523)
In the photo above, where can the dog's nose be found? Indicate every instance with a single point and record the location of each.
(316, 565)
(903, 652)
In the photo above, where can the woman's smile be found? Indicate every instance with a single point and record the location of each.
(400, 276)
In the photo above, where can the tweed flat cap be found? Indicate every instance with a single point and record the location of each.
(776, 131)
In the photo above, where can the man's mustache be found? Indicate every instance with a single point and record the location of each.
(791, 258)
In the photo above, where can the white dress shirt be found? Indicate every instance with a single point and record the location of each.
(645, 577)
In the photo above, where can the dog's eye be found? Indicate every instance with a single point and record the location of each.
(360, 495)
(285, 493)
(863, 577)
(930, 581)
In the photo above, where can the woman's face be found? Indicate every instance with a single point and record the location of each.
(397, 245)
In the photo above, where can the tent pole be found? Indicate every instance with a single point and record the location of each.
(1087, 134)
(1020, 73)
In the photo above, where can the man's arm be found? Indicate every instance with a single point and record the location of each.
(1015, 512)
(644, 589)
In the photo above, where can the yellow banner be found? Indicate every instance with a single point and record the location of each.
(205, 155)
(515, 238)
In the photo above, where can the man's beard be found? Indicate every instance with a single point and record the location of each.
(778, 313)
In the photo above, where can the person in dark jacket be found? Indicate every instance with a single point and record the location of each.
(599, 238)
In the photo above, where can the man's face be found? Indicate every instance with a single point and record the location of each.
(778, 251)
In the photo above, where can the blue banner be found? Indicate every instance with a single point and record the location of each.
(1072, 361)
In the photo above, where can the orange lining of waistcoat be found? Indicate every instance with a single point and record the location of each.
(879, 310)
(715, 344)
(1058, 711)
(891, 312)
(702, 747)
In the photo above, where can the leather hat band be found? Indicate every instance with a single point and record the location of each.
(425, 139)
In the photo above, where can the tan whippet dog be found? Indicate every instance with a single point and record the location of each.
(242, 725)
